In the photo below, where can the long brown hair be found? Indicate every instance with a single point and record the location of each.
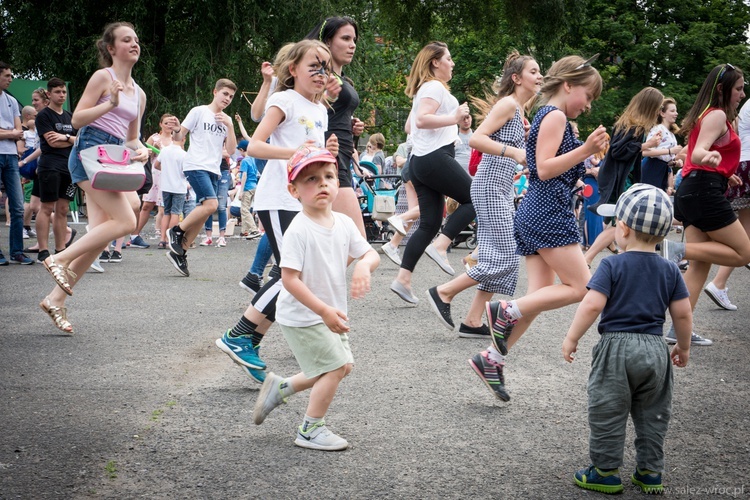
(674, 128)
(421, 69)
(716, 92)
(641, 113)
(503, 86)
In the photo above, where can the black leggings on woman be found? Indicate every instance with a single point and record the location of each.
(435, 176)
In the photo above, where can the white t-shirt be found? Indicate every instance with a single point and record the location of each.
(743, 130)
(668, 140)
(172, 160)
(428, 140)
(321, 254)
(304, 120)
(206, 140)
(30, 139)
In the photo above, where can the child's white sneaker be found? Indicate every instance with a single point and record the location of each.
(319, 437)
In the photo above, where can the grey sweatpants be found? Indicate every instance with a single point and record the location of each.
(631, 373)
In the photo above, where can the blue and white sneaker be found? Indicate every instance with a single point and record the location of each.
(138, 242)
(241, 350)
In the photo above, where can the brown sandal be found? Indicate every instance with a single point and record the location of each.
(60, 274)
(59, 315)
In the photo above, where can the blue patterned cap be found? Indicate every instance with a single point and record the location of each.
(643, 208)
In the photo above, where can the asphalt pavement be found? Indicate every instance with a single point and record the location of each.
(139, 403)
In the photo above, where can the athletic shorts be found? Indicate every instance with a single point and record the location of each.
(55, 185)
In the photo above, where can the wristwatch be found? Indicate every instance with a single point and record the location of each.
(67, 137)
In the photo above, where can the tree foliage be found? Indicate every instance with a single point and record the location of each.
(188, 45)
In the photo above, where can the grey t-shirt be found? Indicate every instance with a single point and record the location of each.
(463, 150)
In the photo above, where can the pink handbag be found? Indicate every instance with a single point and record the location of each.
(109, 168)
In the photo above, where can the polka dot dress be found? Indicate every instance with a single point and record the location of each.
(492, 197)
(545, 218)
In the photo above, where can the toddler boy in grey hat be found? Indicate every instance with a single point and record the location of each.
(631, 372)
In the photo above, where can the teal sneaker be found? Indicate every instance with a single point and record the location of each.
(241, 350)
(648, 481)
(256, 375)
(595, 479)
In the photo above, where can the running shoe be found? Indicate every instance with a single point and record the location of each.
(174, 238)
(648, 481)
(138, 242)
(491, 374)
(397, 224)
(104, 257)
(500, 325)
(392, 253)
(25, 234)
(269, 398)
(179, 262)
(695, 339)
(21, 258)
(222, 242)
(115, 256)
(595, 479)
(207, 242)
(253, 234)
(252, 283)
(319, 437)
(258, 376)
(3, 260)
(241, 350)
(96, 267)
(441, 309)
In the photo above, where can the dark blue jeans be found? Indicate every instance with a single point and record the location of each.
(221, 195)
(12, 182)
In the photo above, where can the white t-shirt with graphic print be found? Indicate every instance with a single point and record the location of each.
(303, 121)
(206, 140)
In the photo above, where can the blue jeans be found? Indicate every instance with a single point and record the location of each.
(262, 256)
(12, 181)
(221, 195)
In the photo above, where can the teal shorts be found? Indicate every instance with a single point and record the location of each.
(318, 350)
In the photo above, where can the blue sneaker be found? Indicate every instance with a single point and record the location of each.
(257, 375)
(138, 242)
(22, 259)
(3, 260)
(595, 479)
(648, 481)
(241, 350)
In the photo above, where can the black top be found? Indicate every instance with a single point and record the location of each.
(49, 121)
(340, 121)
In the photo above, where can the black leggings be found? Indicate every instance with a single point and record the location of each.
(275, 223)
(435, 176)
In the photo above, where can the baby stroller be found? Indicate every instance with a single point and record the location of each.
(378, 202)
(467, 235)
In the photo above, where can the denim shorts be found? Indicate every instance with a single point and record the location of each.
(174, 203)
(204, 183)
(701, 201)
(87, 137)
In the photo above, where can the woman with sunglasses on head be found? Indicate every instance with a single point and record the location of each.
(713, 235)
(340, 34)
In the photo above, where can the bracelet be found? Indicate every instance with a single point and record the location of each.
(502, 153)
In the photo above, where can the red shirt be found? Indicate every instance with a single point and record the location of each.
(728, 145)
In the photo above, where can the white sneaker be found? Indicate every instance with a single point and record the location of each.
(222, 242)
(441, 261)
(392, 253)
(319, 437)
(25, 234)
(269, 398)
(397, 224)
(207, 242)
(720, 297)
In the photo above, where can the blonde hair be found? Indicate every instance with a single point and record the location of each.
(108, 40)
(292, 54)
(503, 86)
(223, 83)
(642, 112)
(601, 154)
(378, 140)
(674, 128)
(421, 69)
(573, 70)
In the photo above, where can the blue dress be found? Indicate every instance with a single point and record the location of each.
(545, 217)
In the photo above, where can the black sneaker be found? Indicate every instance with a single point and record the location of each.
(174, 240)
(251, 283)
(104, 257)
(473, 332)
(73, 233)
(179, 262)
(42, 255)
(442, 309)
(115, 256)
(491, 374)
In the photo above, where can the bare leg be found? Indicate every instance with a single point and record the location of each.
(347, 204)
(60, 223)
(323, 389)
(605, 239)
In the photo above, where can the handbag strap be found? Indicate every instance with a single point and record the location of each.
(105, 158)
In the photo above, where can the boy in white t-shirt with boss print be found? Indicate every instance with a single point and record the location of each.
(311, 309)
(209, 128)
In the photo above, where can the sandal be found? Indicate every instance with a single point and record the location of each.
(60, 274)
(613, 249)
(59, 315)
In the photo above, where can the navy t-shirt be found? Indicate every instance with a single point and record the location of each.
(639, 287)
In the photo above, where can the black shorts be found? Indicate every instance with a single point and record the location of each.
(35, 186)
(701, 201)
(55, 185)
